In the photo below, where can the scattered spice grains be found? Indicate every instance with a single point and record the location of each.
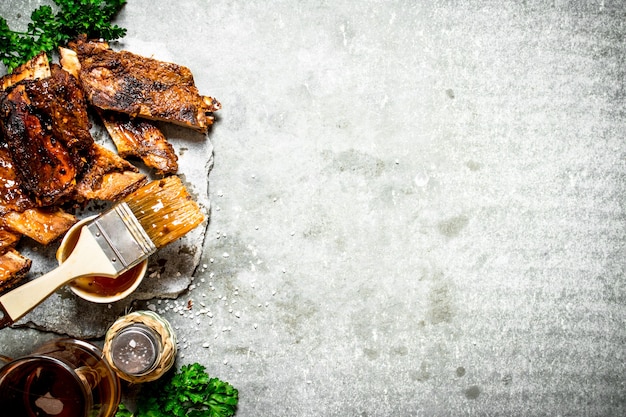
(211, 307)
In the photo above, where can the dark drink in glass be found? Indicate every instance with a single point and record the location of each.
(63, 378)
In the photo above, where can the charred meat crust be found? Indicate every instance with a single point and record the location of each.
(13, 265)
(8, 239)
(109, 177)
(64, 100)
(141, 87)
(12, 197)
(46, 130)
(41, 162)
(13, 268)
(48, 158)
(141, 139)
(42, 225)
(36, 68)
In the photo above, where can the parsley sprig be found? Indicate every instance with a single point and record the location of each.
(188, 393)
(48, 30)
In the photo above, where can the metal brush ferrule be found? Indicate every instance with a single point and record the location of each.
(121, 237)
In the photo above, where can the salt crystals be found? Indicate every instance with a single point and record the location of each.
(208, 309)
(421, 179)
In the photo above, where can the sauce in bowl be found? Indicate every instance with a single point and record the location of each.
(96, 288)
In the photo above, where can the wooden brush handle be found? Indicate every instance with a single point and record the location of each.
(87, 258)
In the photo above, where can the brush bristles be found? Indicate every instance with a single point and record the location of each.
(165, 210)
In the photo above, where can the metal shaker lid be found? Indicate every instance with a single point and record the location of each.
(135, 349)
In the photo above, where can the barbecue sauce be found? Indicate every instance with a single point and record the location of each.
(100, 285)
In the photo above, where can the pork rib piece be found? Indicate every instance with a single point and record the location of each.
(8, 239)
(142, 139)
(138, 86)
(42, 225)
(13, 268)
(36, 68)
(12, 197)
(45, 126)
(109, 178)
(19, 215)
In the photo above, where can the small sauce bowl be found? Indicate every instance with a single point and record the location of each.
(95, 288)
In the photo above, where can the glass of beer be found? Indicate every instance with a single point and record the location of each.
(62, 378)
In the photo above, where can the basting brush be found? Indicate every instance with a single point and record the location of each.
(148, 219)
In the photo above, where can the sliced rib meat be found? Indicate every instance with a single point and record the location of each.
(109, 178)
(141, 139)
(45, 126)
(13, 268)
(8, 239)
(42, 225)
(139, 86)
(12, 197)
(36, 68)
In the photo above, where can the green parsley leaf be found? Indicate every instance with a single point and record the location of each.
(122, 411)
(49, 30)
(191, 392)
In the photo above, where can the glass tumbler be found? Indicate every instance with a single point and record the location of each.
(62, 378)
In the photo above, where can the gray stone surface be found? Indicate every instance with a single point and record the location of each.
(417, 210)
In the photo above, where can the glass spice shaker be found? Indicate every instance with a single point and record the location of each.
(136, 349)
(140, 346)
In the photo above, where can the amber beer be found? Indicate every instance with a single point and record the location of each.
(63, 378)
(41, 386)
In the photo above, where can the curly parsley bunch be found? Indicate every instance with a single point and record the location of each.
(48, 30)
(188, 393)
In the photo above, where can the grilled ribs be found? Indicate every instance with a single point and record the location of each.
(46, 130)
(13, 268)
(12, 197)
(40, 224)
(138, 86)
(48, 158)
(8, 239)
(20, 215)
(34, 69)
(109, 178)
(141, 139)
